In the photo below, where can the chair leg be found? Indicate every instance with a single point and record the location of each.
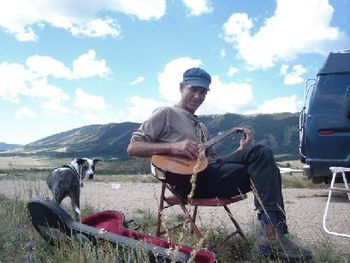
(191, 220)
(239, 230)
(160, 210)
(336, 171)
(194, 216)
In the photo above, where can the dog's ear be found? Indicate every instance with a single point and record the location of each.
(95, 161)
(80, 161)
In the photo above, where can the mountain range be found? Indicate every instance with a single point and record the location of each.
(6, 146)
(278, 131)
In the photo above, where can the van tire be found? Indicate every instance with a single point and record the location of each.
(307, 172)
(316, 175)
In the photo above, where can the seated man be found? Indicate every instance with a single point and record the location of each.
(177, 130)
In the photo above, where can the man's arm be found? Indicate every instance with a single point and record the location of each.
(147, 149)
(186, 148)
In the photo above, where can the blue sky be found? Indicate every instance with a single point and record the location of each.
(69, 63)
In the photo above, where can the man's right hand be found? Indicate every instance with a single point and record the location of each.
(186, 148)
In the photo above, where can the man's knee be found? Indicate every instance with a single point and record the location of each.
(263, 150)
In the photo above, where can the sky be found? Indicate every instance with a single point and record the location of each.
(65, 64)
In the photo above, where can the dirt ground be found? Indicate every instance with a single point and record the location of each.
(304, 207)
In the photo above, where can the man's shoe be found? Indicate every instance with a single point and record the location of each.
(275, 245)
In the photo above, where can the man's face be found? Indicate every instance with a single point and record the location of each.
(192, 97)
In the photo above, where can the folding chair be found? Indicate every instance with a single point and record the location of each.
(336, 171)
(173, 199)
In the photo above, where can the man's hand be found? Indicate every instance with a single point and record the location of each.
(186, 148)
(246, 139)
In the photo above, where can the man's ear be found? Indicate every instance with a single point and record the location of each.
(181, 87)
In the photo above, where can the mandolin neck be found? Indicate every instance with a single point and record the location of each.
(220, 137)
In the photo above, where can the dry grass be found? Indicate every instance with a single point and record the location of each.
(19, 242)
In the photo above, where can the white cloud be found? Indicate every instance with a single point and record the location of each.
(45, 66)
(296, 27)
(25, 34)
(25, 113)
(87, 66)
(88, 102)
(97, 28)
(232, 71)
(54, 106)
(237, 28)
(294, 76)
(280, 104)
(31, 81)
(55, 96)
(226, 97)
(222, 53)
(170, 78)
(198, 7)
(41, 89)
(140, 108)
(142, 9)
(79, 17)
(17, 81)
(14, 80)
(136, 81)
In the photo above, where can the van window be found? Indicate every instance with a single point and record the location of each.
(310, 86)
(331, 94)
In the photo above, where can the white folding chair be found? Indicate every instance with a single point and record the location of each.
(336, 171)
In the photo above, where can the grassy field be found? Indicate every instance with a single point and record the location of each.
(19, 242)
(35, 162)
(30, 168)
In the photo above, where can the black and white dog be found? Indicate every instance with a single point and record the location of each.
(67, 180)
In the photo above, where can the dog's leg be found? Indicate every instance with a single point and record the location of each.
(75, 201)
(58, 195)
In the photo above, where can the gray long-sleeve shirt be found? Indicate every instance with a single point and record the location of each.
(171, 124)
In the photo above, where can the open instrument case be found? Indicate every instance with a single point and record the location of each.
(54, 224)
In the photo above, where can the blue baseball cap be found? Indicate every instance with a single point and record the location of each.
(197, 77)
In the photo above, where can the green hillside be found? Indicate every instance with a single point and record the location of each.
(278, 131)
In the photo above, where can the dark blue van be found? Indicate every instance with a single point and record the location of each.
(324, 123)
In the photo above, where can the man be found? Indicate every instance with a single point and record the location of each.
(177, 131)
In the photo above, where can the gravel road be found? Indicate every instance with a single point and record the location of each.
(304, 208)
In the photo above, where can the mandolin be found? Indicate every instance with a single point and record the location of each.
(181, 164)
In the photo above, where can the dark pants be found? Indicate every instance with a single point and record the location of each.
(251, 169)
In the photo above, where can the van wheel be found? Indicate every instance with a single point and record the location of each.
(307, 171)
(317, 174)
(319, 180)
(311, 175)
